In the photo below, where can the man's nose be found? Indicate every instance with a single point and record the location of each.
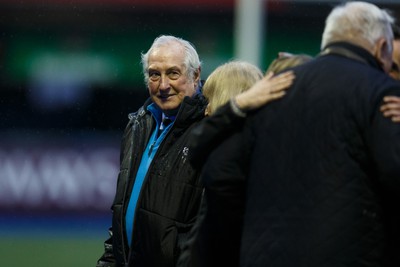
(164, 82)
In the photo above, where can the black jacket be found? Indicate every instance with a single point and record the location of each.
(215, 238)
(323, 183)
(323, 163)
(170, 195)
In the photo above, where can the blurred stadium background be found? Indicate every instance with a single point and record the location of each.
(69, 75)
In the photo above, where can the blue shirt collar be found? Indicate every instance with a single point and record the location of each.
(157, 114)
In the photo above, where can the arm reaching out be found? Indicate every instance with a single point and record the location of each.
(267, 89)
(391, 108)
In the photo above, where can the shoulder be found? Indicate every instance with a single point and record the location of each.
(197, 100)
(141, 112)
(192, 109)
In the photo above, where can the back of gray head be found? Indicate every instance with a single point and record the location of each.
(357, 22)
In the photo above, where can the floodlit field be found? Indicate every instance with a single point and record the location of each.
(46, 252)
(52, 241)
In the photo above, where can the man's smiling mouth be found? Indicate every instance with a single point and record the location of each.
(164, 97)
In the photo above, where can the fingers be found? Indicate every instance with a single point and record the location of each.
(391, 103)
(267, 89)
(269, 75)
(391, 108)
(277, 95)
(270, 97)
(396, 119)
(284, 75)
(281, 86)
(281, 81)
(391, 112)
(390, 98)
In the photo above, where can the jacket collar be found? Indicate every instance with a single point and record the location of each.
(190, 110)
(351, 51)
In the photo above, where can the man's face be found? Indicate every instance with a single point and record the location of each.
(168, 78)
(395, 70)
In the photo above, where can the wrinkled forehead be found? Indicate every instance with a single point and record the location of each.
(167, 56)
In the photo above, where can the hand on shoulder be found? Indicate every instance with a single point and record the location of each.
(266, 90)
(391, 108)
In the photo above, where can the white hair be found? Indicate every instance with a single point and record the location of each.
(357, 21)
(192, 61)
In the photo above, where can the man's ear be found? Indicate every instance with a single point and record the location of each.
(383, 53)
(196, 77)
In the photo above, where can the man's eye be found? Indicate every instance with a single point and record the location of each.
(174, 75)
(154, 76)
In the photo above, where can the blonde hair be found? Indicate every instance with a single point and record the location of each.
(228, 80)
(287, 61)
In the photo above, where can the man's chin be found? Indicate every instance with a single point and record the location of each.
(169, 107)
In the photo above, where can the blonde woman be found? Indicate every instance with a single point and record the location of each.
(216, 242)
(229, 80)
(232, 90)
